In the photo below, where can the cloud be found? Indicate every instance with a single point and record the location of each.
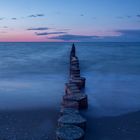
(36, 15)
(129, 35)
(1, 18)
(40, 15)
(64, 29)
(72, 37)
(14, 18)
(124, 17)
(3, 32)
(50, 33)
(5, 27)
(128, 16)
(40, 29)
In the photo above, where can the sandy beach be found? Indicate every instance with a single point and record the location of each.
(37, 124)
(123, 127)
(40, 124)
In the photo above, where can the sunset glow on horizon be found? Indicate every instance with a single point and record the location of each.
(75, 20)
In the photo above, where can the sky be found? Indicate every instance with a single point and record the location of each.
(69, 20)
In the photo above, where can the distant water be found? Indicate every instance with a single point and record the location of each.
(32, 75)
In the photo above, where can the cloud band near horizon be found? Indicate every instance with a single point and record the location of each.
(125, 35)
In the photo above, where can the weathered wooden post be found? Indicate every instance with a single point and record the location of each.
(72, 119)
(70, 104)
(73, 52)
(80, 98)
(69, 132)
(79, 81)
(71, 125)
(66, 111)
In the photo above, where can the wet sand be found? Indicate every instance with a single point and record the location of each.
(40, 124)
(123, 127)
(37, 124)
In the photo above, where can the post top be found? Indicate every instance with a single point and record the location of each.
(73, 50)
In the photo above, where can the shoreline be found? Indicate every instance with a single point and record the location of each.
(40, 124)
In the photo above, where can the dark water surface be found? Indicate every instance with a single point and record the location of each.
(32, 77)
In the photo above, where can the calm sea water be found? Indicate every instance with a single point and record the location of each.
(32, 75)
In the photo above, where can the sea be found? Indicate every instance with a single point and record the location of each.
(33, 75)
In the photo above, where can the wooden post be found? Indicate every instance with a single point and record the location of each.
(71, 125)
(69, 132)
(72, 119)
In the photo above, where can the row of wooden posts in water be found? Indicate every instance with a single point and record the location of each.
(71, 124)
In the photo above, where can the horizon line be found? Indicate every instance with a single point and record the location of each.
(68, 42)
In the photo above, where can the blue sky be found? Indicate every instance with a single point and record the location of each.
(69, 20)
